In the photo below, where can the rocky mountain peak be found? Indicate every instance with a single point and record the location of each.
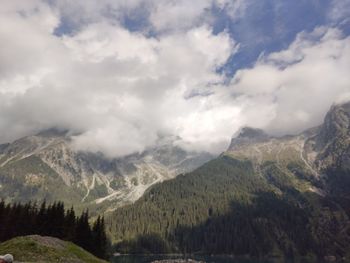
(333, 139)
(252, 133)
(47, 160)
(53, 132)
(336, 124)
(248, 135)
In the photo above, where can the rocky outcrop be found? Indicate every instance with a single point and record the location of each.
(333, 140)
(41, 165)
(248, 136)
(322, 153)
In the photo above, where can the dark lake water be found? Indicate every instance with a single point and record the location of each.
(207, 259)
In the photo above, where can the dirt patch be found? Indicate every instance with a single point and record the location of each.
(49, 241)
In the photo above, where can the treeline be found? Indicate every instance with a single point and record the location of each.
(53, 220)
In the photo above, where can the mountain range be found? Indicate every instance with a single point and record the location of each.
(265, 196)
(47, 166)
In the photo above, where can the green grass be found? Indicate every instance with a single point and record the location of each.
(31, 249)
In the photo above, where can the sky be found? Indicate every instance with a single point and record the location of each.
(122, 74)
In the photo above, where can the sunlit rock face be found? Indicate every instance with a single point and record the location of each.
(333, 140)
(46, 166)
(323, 151)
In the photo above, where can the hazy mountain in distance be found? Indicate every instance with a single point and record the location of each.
(46, 166)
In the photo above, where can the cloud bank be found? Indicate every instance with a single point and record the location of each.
(79, 66)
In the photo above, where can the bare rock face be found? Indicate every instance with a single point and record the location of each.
(322, 151)
(333, 140)
(248, 136)
(336, 124)
(46, 166)
(323, 146)
(259, 147)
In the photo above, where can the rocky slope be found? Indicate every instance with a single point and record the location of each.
(265, 196)
(322, 153)
(45, 166)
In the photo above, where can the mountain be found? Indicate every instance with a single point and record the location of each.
(46, 166)
(264, 197)
(46, 249)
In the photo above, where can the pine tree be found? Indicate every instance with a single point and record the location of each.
(99, 237)
(69, 225)
(42, 220)
(83, 235)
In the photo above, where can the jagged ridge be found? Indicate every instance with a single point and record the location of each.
(45, 166)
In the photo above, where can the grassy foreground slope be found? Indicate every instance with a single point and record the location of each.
(46, 249)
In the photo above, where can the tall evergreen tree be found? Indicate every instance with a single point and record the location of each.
(69, 225)
(83, 234)
(99, 237)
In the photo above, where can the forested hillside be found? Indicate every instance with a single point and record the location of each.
(225, 207)
(265, 196)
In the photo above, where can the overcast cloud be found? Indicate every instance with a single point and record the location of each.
(121, 74)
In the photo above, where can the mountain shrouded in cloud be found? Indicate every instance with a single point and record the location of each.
(122, 74)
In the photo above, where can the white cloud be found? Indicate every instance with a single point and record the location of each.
(234, 8)
(178, 14)
(122, 90)
(302, 81)
(340, 11)
(162, 16)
